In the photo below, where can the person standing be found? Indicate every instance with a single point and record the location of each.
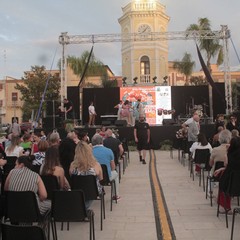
(68, 106)
(15, 128)
(92, 113)
(142, 137)
(139, 109)
(193, 128)
(119, 107)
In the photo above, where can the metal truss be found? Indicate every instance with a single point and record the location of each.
(223, 34)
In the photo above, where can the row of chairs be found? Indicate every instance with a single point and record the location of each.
(202, 157)
(83, 188)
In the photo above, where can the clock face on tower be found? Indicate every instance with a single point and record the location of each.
(144, 29)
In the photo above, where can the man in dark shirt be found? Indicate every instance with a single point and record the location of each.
(142, 137)
(114, 144)
(68, 108)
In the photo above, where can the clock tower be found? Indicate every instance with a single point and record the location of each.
(144, 59)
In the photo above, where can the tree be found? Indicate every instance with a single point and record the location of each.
(211, 47)
(197, 81)
(95, 67)
(33, 88)
(185, 66)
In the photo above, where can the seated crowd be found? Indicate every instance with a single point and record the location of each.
(74, 155)
(224, 151)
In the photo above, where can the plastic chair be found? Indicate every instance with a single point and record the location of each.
(235, 211)
(51, 184)
(69, 206)
(233, 190)
(22, 207)
(201, 158)
(88, 185)
(13, 232)
(106, 182)
(212, 179)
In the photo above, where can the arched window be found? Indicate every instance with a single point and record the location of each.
(145, 69)
(145, 65)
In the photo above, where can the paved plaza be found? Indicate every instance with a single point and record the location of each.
(133, 217)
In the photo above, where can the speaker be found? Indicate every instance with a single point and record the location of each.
(168, 122)
(106, 123)
(121, 123)
(49, 124)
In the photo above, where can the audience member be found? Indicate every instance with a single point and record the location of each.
(54, 139)
(37, 137)
(219, 122)
(233, 164)
(21, 178)
(84, 163)
(27, 141)
(52, 166)
(66, 154)
(40, 155)
(215, 141)
(232, 123)
(114, 144)
(201, 143)
(105, 156)
(235, 133)
(13, 149)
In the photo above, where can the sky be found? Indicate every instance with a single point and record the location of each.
(30, 29)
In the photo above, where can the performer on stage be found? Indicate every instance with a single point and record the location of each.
(139, 109)
(68, 106)
(119, 107)
(92, 113)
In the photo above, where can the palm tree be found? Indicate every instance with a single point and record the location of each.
(185, 66)
(211, 47)
(95, 66)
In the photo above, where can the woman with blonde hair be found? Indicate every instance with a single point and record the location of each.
(84, 163)
(13, 149)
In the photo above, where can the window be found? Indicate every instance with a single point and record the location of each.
(1, 103)
(1, 86)
(145, 66)
(14, 96)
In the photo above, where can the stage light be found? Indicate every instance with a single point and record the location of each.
(135, 80)
(165, 82)
(154, 79)
(124, 81)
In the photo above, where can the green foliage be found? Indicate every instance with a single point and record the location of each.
(185, 66)
(211, 47)
(33, 88)
(166, 145)
(197, 81)
(109, 83)
(95, 66)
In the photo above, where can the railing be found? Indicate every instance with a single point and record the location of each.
(145, 78)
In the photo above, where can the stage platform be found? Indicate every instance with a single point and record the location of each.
(159, 133)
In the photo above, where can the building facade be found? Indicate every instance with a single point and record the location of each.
(144, 60)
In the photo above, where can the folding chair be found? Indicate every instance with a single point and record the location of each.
(51, 184)
(88, 185)
(201, 158)
(22, 207)
(233, 190)
(69, 206)
(15, 232)
(212, 179)
(106, 182)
